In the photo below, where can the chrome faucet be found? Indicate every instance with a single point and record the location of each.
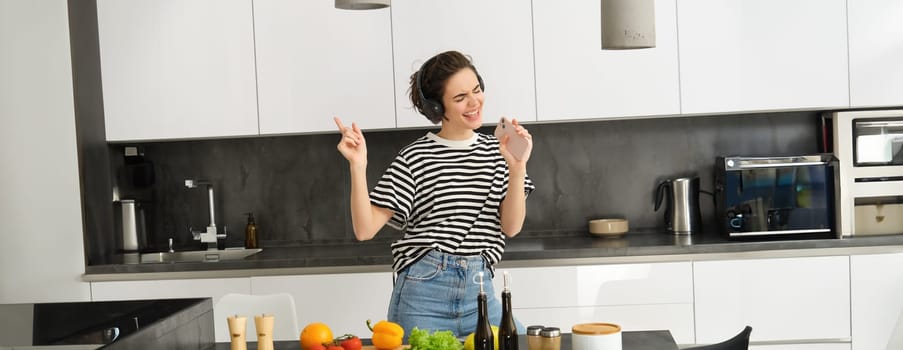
(210, 235)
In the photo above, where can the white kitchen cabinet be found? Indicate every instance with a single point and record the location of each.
(576, 79)
(496, 34)
(40, 197)
(342, 301)
(877, 299)
(635, 296)
(748, 55)
(177, 68)
(788, 299)
(876, 50)
(167, 289)
(315, 62)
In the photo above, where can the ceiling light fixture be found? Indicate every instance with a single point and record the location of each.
(361, 4)
(627, 24)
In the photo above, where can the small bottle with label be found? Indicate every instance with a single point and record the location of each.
(507, 328)
(483, 338)
(251, 233)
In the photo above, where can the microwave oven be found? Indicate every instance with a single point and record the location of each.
(768, 196)
(868, 145)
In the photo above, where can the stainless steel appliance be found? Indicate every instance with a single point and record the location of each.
(869, 149)
(682, 211)
(133, 226)
(758, 196)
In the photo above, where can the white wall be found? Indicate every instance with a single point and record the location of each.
(41, 247)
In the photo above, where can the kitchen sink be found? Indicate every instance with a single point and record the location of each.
(198, 255)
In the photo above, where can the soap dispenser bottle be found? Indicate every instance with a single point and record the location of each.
(251, 233)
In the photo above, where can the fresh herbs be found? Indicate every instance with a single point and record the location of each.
(421, 339)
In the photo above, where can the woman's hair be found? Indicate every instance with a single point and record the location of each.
(427, 85)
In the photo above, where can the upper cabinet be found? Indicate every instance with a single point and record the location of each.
(496, 34)
(576, 79)
(177, 68)
(746, 55)
(315, 62)
(876, 50)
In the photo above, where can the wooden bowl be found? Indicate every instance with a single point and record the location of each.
(608, 227)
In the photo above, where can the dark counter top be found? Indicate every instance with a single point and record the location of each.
(636, 340)
(533, 250)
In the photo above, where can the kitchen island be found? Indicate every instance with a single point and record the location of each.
(638, 340)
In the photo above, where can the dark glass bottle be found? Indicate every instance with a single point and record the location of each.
(507, 328)
(482, 337)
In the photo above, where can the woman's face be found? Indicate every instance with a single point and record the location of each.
(463, 101)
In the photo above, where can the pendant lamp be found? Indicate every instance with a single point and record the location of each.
(627, 24)
(361, 4)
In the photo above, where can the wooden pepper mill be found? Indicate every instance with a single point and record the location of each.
(264, 324)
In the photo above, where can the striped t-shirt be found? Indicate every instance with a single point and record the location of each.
(445, 195)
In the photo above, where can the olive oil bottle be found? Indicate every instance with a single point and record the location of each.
(482, 337)
(507, 329)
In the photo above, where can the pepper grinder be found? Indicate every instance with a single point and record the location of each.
(237, 327)
(264, 324)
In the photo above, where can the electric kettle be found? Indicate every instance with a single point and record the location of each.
(682, 211)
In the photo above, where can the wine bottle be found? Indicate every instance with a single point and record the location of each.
(507, 328)
(482, 337)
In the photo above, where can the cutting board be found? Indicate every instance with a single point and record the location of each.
(371, 347)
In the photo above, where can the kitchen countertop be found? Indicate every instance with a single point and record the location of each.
(537, 249)
(631, 340)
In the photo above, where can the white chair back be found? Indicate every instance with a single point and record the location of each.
(281, 306)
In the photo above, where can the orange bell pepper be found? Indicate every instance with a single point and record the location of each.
(386, 335)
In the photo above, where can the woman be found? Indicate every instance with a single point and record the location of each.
(455, 195)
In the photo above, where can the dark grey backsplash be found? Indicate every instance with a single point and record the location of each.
(298, 186)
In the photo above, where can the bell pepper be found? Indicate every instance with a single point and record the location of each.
(386, 335)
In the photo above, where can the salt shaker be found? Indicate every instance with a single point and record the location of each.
(237, 327)
(533, 338)
(550, 338)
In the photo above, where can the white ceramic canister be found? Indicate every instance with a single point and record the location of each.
(596, 336)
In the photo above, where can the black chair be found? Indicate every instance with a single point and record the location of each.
(738, 342)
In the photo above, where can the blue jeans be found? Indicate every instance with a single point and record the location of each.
(438, 292)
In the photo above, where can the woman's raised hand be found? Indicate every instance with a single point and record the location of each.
(503, 145)
(352, 145)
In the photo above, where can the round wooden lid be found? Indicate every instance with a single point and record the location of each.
(595, 328)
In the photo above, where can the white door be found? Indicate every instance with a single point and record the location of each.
(315, 62)
(496, 34)
(576, 79)
(749, 55)
(876, 50)
(177, 68)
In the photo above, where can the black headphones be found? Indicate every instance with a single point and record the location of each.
(432, 109)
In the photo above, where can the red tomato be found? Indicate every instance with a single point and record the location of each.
(353, 343)
(334, 347)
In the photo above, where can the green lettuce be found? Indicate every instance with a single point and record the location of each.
(421, 339)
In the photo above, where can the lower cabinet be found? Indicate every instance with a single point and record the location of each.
(635, 296)
(784, 300)
(342, 301)
(877, 300)
(167, 289)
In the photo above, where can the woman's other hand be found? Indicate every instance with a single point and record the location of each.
(353, 146)
(503, 146)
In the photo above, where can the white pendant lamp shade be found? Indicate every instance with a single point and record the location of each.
(627, 24)
(361, 4)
